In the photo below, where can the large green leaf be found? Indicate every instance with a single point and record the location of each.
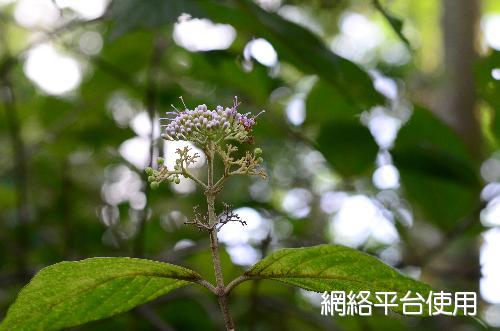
(325, 104)
(72, 293)
(335, 268)
(133, 14)
(348, 146)
(255, 84)
(437, 171)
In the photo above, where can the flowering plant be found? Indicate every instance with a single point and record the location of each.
(212, 131)
(67, 294)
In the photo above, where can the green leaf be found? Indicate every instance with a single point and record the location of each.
(72, 293)
(488, 87)
(437, 171)
(348, 146)
(254, 85)
(291, 40)
(299, 47)
(335, 268)
(128, 15)
(326, 103)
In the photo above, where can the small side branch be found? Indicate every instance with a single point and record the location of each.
(393, 22)
(250, 164)
(228, 215)
(235, 282)
(202, 220)
(194, 178)
(207, 285)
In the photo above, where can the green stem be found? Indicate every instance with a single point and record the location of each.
(214, 246)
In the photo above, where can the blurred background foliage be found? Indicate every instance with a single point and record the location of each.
(381, 132)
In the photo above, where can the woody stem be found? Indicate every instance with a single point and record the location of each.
(210, 193)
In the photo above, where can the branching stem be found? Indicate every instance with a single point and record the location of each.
(208, 128)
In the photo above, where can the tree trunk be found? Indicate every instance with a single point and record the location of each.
(460, 30)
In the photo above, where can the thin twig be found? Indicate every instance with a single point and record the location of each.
(391, 20)
(198, 181)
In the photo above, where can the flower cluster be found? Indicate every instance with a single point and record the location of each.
(202, 124)
(211, 130)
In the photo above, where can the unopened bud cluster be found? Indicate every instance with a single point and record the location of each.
(155, 177)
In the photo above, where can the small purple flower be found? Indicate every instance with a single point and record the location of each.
(201, 124)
